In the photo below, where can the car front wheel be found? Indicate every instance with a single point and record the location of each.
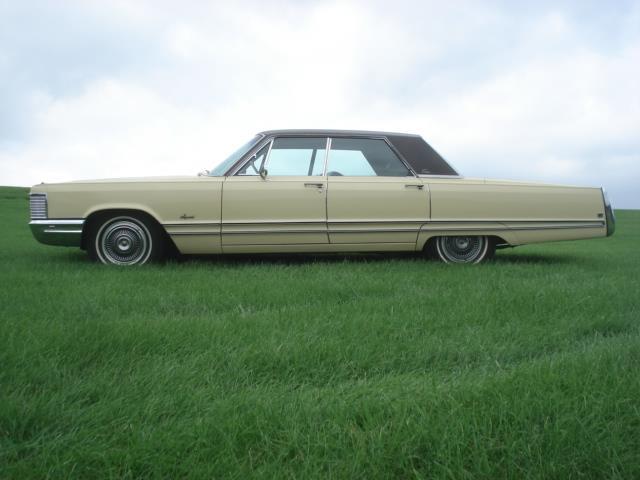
(125, 240)
(464, 249)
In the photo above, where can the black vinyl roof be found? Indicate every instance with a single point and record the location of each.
(329, 132)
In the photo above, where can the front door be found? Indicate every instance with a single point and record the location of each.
(372, 196)
(286, 207)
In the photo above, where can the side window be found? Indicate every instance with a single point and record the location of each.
(253, 166)
(351, 163)
(297, 156)
(362, 157)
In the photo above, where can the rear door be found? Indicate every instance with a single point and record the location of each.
(372, 196)
(286, 207)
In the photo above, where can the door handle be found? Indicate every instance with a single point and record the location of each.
(316, 185)
(413, 185)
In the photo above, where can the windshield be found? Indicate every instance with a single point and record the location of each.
(222, 168)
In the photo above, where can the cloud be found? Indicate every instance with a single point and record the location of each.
(547, 92)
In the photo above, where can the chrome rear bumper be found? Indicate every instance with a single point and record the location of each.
(611, 220)
(609, 215)
(57, 232)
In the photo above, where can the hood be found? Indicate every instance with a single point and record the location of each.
(165, 179)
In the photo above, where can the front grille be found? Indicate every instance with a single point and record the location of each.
(38, 206)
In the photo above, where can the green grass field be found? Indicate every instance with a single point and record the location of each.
(320, 367)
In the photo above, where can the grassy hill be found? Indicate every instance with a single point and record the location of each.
(320, 367)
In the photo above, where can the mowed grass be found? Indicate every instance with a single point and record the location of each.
(320, 366)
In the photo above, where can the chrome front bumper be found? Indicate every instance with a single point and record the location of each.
(57, 232)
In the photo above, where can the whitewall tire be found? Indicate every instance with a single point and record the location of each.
(124, 240)
(464, 249)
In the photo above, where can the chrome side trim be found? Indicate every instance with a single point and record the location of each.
(567, 223)
(364, 227)
(560, 227)
(53, 230)
(507, 228)
(393, 230)
(429, 175)
(420, 222)
(66, 232)
(513, 220)
(296, 222)
(272, 232)
(377, 230)
(273, 222)
(177, 234)
(425, 223)
(68, 221)
(191, 224)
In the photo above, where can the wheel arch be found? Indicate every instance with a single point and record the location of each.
(504, 239)
(93, 219)
(497, 240)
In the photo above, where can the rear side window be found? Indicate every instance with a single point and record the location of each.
(364, 157)
(419, 154)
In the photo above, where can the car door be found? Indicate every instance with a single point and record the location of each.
(284, 206)
(372, 197)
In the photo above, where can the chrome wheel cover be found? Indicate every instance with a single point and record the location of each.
(123, 241)
(462, 249)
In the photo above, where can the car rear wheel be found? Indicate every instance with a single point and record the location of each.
(464, 249)
(125, 240)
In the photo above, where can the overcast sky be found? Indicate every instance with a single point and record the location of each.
(539, 90)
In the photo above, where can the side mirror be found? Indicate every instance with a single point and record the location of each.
(203, 173)
(263, 173)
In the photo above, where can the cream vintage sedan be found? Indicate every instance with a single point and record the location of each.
(315, 191)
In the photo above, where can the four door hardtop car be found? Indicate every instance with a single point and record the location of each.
(315, 191)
